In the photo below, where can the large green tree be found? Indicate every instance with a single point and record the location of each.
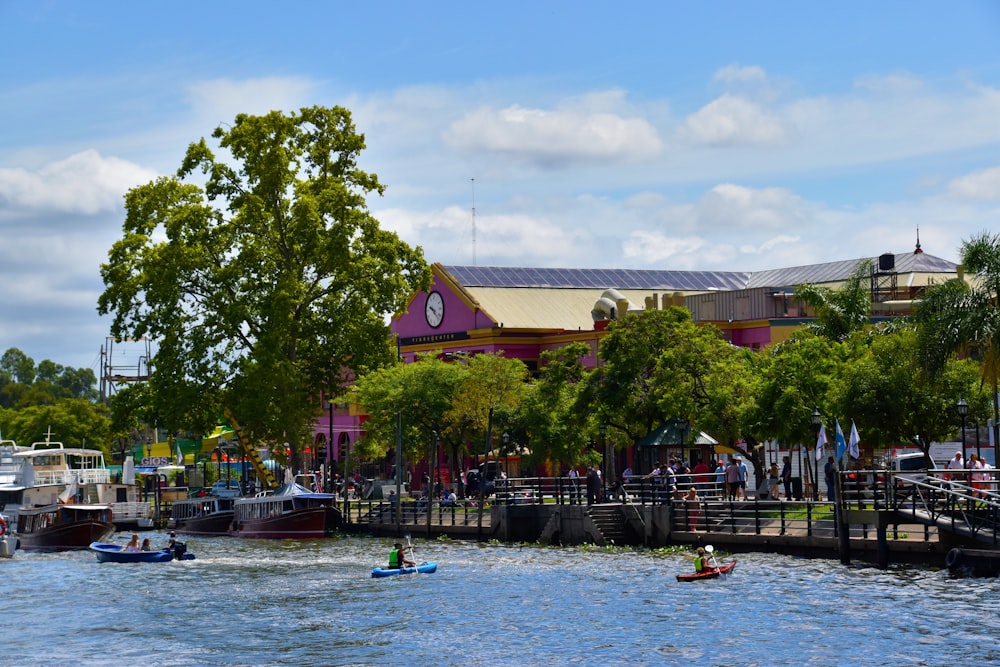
(894, 400)
(417, 397)
(626, 387)
(265, 285)
(556, 426)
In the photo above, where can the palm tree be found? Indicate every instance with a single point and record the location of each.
(840, 312)
(961, 316)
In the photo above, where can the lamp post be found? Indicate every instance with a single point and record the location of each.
(816, 419)
(604, 460)
(979, 454)
(506, 454)
(329, 450)
(963, 412)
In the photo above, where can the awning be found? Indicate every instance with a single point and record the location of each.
(726, 449)
(676, 433)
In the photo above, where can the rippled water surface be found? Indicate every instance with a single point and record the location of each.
(248, 602)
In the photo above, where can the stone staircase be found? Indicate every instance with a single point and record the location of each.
(610, 522)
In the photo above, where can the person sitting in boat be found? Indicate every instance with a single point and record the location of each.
(172, 542)
(397, 557)
(133, 544)
(146, 546)
(699, 561)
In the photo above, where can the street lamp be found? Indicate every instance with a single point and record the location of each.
(963, 412)
(817, 420)
(604, 459)
(329, 451)
(506, 454)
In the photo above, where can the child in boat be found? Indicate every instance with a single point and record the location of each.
(133, 544)
(146, 546)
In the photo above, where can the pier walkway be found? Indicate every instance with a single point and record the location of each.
(880, 518)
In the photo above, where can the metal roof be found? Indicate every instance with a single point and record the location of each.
(830, 272)
(628, 279)
(684, 281)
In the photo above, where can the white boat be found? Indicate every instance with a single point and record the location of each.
(48, 473)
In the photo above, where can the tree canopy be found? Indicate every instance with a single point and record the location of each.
(268, 284)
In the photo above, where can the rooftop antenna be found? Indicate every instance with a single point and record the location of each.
(918, 251)
(473, 221)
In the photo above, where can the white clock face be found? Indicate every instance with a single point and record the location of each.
(434, 309)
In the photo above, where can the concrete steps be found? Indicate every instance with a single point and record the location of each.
(610, 522)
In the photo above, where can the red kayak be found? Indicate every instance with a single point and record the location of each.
(711, 573)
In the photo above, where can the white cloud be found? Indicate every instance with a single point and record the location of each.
(84, 183)
(740, 74)
(980, 185)
(653, 247)
(729, 206)
(220, 100)
(732, 120)
(555, 138)
(897, 83)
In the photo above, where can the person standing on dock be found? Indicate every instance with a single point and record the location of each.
(786, 476)
(732, 480)
(744, 474)
(830, 476)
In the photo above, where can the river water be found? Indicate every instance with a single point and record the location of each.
(250, 602)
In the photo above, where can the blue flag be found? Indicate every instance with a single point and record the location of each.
(841, 446)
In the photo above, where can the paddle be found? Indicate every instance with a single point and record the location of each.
(412, 555)
(710, 550)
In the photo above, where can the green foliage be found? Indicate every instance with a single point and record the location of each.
(893, 399)
(626, 388)
(75, 422)
(960, 317)
(265, 286)
(419, 395)
(555, 421)
(795, 378)
(842, 311)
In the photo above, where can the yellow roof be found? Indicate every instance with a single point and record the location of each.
(546, 307)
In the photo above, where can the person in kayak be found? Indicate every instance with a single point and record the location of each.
(699, 561)
(398, 559)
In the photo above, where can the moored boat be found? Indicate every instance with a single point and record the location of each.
(710, 573)
(292, 511)
(207, 515)
(112, 553)
(62, 527)
(48, 473)
(420, 568)
(8, 543)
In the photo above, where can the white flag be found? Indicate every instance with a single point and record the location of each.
(820, 442)
(852, 446)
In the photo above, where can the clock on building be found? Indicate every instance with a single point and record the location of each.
(434, 309)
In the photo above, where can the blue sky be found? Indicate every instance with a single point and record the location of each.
(669, 135)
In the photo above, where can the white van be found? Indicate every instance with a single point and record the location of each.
(912, 466)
